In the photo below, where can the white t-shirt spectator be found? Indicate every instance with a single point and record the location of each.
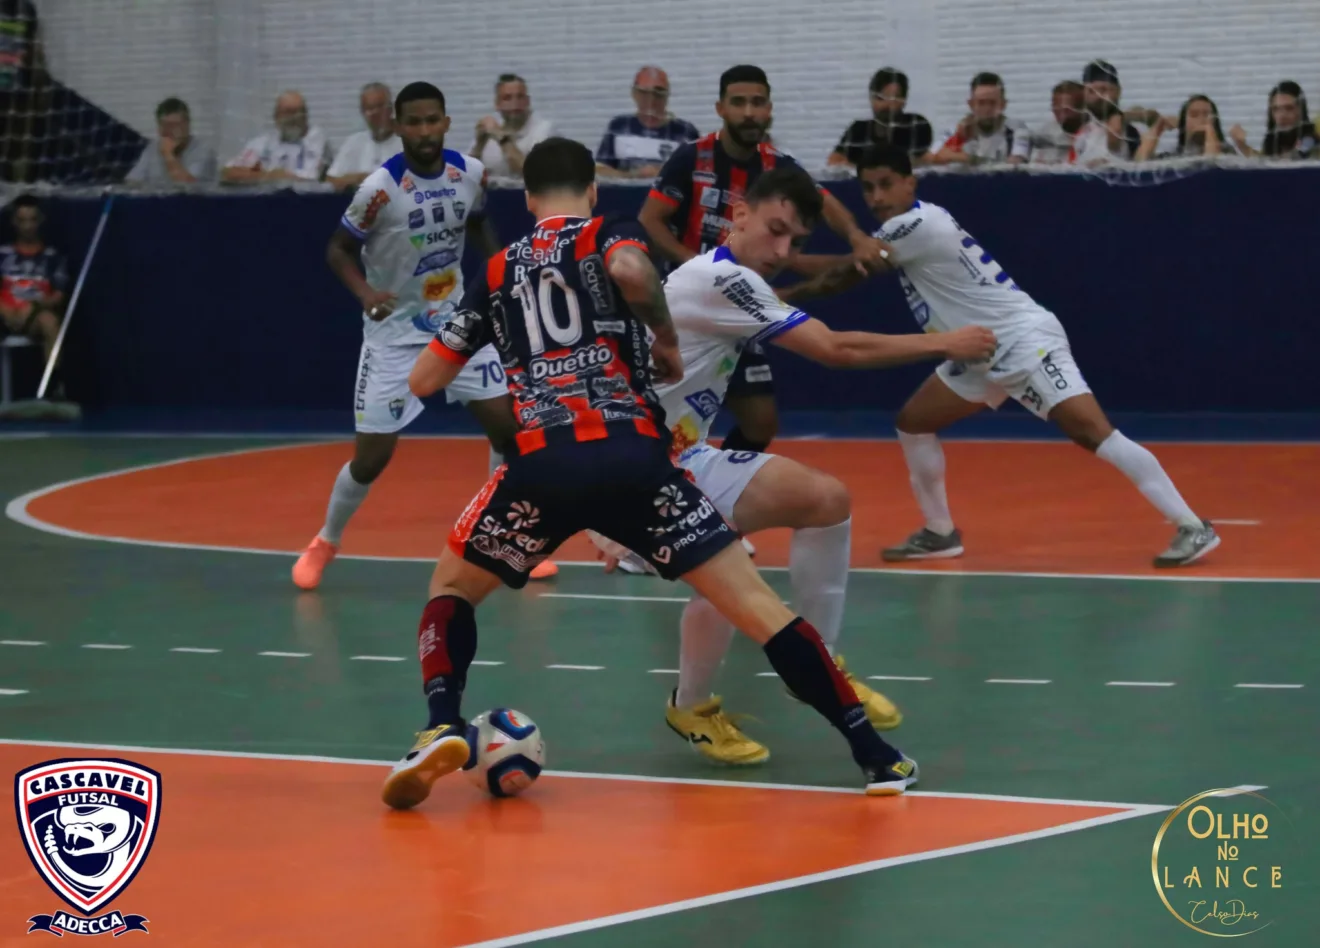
(305, 159)
(1051, 145)
(1010, 140)
(362, 154)
(537, 129)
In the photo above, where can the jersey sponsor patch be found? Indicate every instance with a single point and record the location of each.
(741, 295)
(436, 261)
(705, 403)
(416, 219)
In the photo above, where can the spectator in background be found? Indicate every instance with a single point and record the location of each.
(1199, 132)
(33, 279)
(637, 145)
(175, 156)
(1052, 143)
(906, 130)
(291, 151)
(1101, 93)
(365, 151)
(502, 143)
(985, 134)
(23, 82)
(1289, 133)
(1104, 139)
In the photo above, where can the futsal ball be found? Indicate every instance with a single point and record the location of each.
(506, 752)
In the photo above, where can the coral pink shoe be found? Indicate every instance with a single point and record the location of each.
(307, 571)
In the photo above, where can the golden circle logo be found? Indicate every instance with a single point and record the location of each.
(1219, 862)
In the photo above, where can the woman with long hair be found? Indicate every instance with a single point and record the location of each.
(1289, 133)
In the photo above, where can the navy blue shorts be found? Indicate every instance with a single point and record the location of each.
(752, 375)
(624, 487)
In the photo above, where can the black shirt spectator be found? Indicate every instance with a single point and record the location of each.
(637, 145)
(890, 124)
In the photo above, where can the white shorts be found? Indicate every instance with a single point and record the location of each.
(722, 475)
(382, 403)
(1037, 370)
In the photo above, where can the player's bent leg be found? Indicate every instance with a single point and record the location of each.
(1082, 419)
(947, 396)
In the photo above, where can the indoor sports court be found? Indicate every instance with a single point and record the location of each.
(1060, 695)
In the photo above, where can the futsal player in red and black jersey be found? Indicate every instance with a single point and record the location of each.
(568, 307)
(690, 211)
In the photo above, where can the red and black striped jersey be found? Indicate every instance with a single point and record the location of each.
(702, 183)
(575, 356)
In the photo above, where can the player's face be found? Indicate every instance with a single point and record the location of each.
(887, 193)
(1200, 117)
(768, 233)
(986, 104)
(421, 126)
(27, 223)
(745, 109)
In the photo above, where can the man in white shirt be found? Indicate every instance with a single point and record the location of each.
(1052, 142)
(720, 303)
(365, 151)
(408, 225)
(291, 151)
(502, 143)
(951, 282)
(986, 135)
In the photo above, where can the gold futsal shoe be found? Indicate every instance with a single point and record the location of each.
(712, 732)
(880, 711)
(436, 752)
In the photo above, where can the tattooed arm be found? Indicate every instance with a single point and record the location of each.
(631, 270)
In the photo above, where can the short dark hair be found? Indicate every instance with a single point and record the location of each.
(417, 92)
(885, 155)
(887, 76)
(794, 185)
(987, 79)
(507, 77)
(25, 200)
(171, 106)
(559, 164)
(1068, 86)
(1098, 70)
(743, 73)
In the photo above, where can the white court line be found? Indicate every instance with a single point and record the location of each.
(1265, 685)
(20, 642)
(1017, 681)
(622, 598)
(898, 678)
(376, 658)
(106, 647)
(1234, 523)
(579, 668)
(286, 654)
(9, 692)
(1139, 684)
(191, 650)
(17, 511)
(767, 674)
(662, 671)
(478, 661)
(23, 435)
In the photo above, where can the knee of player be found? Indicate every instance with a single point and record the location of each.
(1090, 434)
(833, 501)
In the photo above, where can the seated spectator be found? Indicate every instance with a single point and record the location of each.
(33, 279)
(1052, 143)
(176, 156)
(291, 151)
(1289, 133)
(636, 145)
(1199, 132)
(1100, 90)
(502, 143)
(1104, 138)
(985, 134)
(365, 151)
(906, 130)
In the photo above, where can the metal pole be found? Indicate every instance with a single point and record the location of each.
(73, 300)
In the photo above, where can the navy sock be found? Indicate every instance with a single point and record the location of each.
(735, 440)
(446, 645)
(799, 656)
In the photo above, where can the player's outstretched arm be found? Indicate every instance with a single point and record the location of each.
(434, 369)
(813, 340)
(654, 219)
(634, 274)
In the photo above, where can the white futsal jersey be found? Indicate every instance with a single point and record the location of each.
(950, 281)
(412, 229)
(718, 306)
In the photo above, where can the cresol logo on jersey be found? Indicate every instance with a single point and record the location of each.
(88, 826)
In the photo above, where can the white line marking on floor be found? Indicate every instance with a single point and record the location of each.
(620, 598)
(767, 674)
(22, 642)
(376, 658)
(1017, 681)
(107, 647)
(662, 671)
(898, 678)
(193, 650)
(578, 668)
(12, 691)
(286, 654)
(1235, 523)
(1139, 684)
(1265, 685)
(479, 661)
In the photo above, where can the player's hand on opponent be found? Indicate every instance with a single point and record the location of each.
(668, 364)
(378, 304)
(970, 344)
(870, 255)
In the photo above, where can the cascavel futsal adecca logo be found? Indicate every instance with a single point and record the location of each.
(1221, 862)
(87, 825)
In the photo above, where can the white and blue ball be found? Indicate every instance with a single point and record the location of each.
(506, 752)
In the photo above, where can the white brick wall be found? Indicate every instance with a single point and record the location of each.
(228, 58)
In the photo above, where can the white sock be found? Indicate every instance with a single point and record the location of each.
(818, 573)
(706, 636)
(925, 461)
(496, 459)
(345, 499)
(1143, 469)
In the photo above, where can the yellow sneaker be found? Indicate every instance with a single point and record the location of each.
(436, 752)
(880, 711)
(712, 732)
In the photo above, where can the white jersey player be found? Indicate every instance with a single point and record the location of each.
(720, 303)
(950, 281)
(408, 223)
